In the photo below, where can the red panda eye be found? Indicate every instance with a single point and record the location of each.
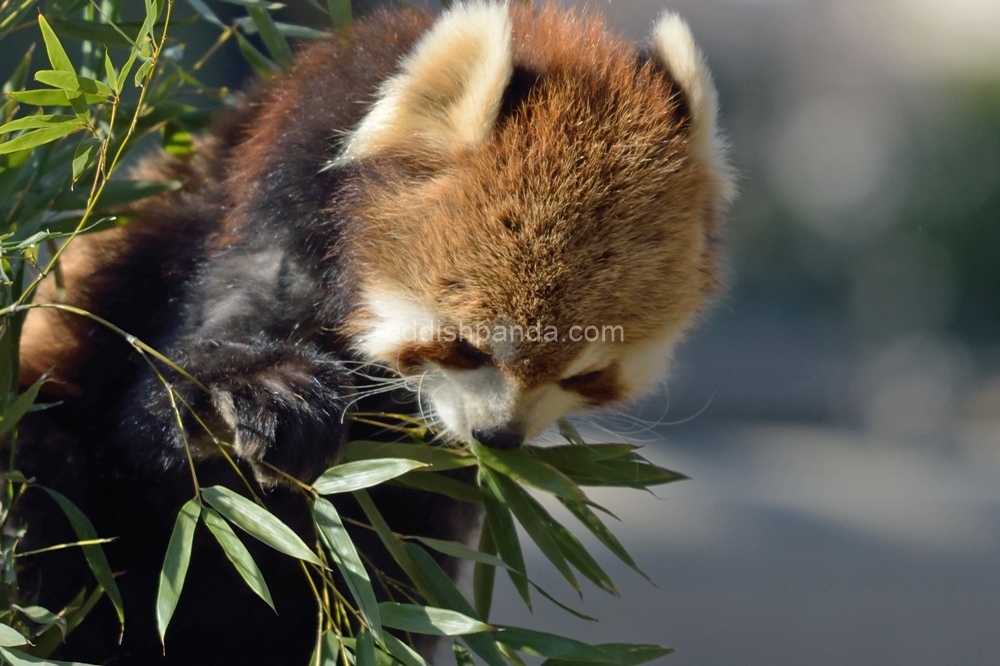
(580, 380)
(475, 357)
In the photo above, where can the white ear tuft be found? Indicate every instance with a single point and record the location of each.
(676, 47)
(447, 95)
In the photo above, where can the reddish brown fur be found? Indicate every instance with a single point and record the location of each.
(583, 208)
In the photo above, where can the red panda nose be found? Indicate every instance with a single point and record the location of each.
(506, 440)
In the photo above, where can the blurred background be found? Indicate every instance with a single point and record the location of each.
(839, 408)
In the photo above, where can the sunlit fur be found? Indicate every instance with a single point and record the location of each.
(592, 203)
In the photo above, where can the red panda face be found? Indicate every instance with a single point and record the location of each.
(537, 214)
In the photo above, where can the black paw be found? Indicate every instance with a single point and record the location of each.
(284, 405)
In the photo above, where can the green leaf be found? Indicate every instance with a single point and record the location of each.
(443, 485)
(578, 454)
(117, 193)
(501, 525)
(142, 72)
(531, 471)
(110, 73)
(257, 60)
(460, 550)
(47, 97)
(531, 520)
(95, 554)
(351, 476)
(258, 522)
(623, 655)
(17, 658)
(35, 122)
(484, 575)
(10, 637)
(341, 548)
(73, 82)
(44, 617)
(175, 564)
(548, 645)
(57, 54)
(19, 407)
(403, 652)
(462, 656)
(80, 159)
(340, 13)
(570, 433)
(206, 13)
(271, 36)
(429, 620)
(604, 535)
(237, 554)
(392, 543)
(364, 649)
(40, 136)
(261, 4)
(437, 458)
(446, 595)
(177, 142)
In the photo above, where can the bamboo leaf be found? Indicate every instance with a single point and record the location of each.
(352, 476)
(531, 471)
(175, 564)
(117, 193)
(20, 406)
(40, 136)
(272, 37)
(340, 13)
(57, 54)
(11, 637)
(623, 655)
(484, 575)
(35, 122)
(364, 649)
(590, 520)
(95, 554)
(541, 644)
(17, 658)
(462, 656)
(73, 82)
(80, 159)
(237, 554)
(257, 60)
(258, 522)
(570, 433)
(45, 97)
(460, 550)
(443, 485)
(429, 620)
(44, 617)
(501, 525)
(531, 520)
(392, 543)
(437, 458)
(445, 594)
(344, 554)
(403, 652)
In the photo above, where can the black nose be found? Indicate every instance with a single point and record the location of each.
(498, 439)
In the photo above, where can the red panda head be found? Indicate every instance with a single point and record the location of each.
(538, 201)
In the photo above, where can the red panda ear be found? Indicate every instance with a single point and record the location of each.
(677, 50)
(448, 92)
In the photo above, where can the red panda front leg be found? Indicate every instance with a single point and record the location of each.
(246, 332)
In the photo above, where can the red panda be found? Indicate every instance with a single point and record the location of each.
(461, 202)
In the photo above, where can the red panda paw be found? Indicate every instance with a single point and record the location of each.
(287, 417)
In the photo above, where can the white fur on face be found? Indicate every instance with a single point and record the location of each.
(677, 49)
(465, 400)
(448, 94)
